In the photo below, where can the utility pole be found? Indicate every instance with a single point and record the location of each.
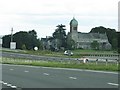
(12, 44)
(12, 35)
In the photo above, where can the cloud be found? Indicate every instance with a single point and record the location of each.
(44, 15)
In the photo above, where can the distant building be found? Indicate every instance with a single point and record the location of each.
(49, 43)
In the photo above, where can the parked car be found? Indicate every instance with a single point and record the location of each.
(68, 52)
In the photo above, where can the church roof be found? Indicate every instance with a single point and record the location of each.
(92, 36)
(74, 22)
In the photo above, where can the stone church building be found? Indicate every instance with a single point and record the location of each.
(81, 40)
(84, 40)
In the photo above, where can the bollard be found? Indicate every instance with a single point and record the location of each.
(78, 61)
(84, 60)
(106, 62)
(117, 62)
(96, 61)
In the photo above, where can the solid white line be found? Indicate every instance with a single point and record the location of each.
(26, 71)
(113, 84)
(46, 74)
(72, 77)
(11, 69)
(84, 70)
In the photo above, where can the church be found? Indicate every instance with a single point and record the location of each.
(81, 40)
(85, 40)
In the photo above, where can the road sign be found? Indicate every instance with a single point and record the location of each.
(12, 45)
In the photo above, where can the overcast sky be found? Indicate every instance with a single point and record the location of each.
(45, 15)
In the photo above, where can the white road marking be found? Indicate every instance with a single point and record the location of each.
(13, 87)
(26, 71)
(113, 84)
(46, 74)
(7, 84)
(11, 55)
(1, 81)
(11, 69)
(72, 77)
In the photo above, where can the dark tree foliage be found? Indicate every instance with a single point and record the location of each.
(21, 38)
(70, 43)
(118, 36)
(27, 39)
(6, 41)
(60, 34)
(111, 34)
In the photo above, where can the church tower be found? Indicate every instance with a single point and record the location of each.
(73, 29)
(73, 25)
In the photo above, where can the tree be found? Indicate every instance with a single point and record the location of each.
(70, 43)
(114, 43)
(33, 33)
(60, 35)
(6, 41)
(23, 39)
(23, 47)
(118, 36)
(95, 45)
(111, 34)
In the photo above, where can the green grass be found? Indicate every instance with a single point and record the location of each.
(89, 66)
(77, 53)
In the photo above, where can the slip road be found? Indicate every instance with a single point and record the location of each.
(20, 76)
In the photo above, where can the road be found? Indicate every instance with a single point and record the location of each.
(48, 58)
(20, 76)
(32, 57)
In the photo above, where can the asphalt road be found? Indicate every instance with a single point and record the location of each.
(48, 58)
(22, 76)
(32, 57)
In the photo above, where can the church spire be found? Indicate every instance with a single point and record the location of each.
(73, 25)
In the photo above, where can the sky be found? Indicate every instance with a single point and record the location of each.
(44, 15)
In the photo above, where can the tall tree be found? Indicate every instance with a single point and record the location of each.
(33, 33)
(111, 34)
(26, 40)
(70, 43)
(6, 41)
(118, 36)
(60, 35)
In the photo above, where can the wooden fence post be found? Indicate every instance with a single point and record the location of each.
(96, 61)
(106, 62)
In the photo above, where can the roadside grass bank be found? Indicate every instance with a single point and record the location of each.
(89, 66)
(76, 53)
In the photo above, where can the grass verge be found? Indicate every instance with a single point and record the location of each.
(90, 66)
